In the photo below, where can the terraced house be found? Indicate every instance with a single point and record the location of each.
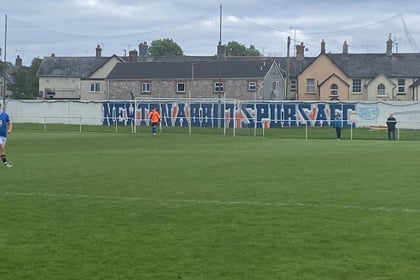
(234, 79)
(75, 78)
(329, 76)
(344, 76)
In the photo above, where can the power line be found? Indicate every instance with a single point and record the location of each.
(319, 33)
(410, 39)
(163, 28)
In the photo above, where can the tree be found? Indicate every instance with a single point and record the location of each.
(163, 47)
(234, 48)
(26, 82)
(252, 51)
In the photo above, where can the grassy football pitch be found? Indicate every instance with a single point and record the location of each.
(134, 206)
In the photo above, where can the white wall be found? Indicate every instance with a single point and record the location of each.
(68, 112)
(363, 114)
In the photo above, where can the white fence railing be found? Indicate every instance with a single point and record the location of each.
(286, 129)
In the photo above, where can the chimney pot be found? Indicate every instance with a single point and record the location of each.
(323, 46)
(389, 45)
(143, 49)
(345, 48)
(300, 50)
(98, 51)
(132, 56)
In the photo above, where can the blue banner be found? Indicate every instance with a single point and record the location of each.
(228, 114)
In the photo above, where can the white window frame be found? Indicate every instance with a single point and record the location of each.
(310, 86)
(357, 86)
(95, 87)
(252, 86)
(401, 87)
(219, 87)
(178, 85)
(293, 84)
(145, 87)
(334, 90)
(380, 90)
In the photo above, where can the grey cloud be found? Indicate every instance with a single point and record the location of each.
(74, 27)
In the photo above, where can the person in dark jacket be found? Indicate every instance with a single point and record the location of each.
(338, 124)
(391, 123)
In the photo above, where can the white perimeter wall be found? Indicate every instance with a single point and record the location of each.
(68, 112)
(92, 112)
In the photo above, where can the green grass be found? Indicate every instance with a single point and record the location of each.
(283, 133)
(177, 206)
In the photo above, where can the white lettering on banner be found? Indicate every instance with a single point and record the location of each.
(245, 114)
(205, 113)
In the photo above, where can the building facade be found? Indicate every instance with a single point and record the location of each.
(329, 76)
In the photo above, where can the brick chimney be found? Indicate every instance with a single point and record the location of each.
(98, 51)
(323, 46)
(345, 48)
(143, 49)
(18, 62)
(132, 56)
(300, 50)
(389, 46)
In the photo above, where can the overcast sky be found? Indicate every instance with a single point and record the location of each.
(74, 27)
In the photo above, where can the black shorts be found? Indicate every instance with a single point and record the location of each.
(155, 123)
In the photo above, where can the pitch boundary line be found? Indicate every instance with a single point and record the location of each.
(216, 202)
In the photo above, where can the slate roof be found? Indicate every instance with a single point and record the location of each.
(354, 65)
(250, 69)
(9, 78)
(296, 64)
(178, 58)
(79, 67)
(371, 65)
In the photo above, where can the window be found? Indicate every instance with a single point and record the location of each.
(401, 86)
(252, 86)
(293, 84)
(218, 87)
(180, 87)
(333, 90)
(310, 85)
(145, 87)
(275, 85)
(357, 85)
(49, 93)
(95, 87)
(381, 90)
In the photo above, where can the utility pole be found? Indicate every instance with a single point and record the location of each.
(5, 64)
(219, 84)
(294, 39)
(287, 69)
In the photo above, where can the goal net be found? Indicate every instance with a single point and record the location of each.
(182, 115)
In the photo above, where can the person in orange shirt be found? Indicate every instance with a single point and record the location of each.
(154, 118)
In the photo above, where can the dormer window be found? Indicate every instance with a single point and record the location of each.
(381, 90)
(333, 90)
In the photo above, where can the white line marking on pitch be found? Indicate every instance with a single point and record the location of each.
(216, 202)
